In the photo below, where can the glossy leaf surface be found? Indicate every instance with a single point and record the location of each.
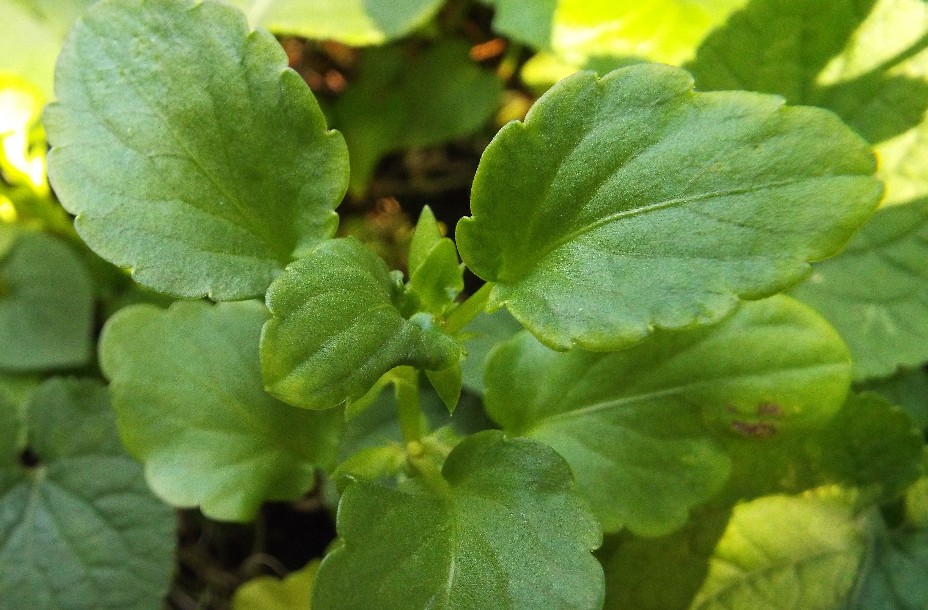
(875, 293)
(46, 303)
(233, 173)
(578, 212)
(337, 327)
(187, 388)
(78, 526)
(641, 427)
(503, 530)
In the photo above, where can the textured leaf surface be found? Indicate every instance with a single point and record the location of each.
(353, 22)
(894, 577)
(633, 424)
(784, 552)
(336, 329)
(269, 593)
(504, 532)
(400, 102)
(864, 59)
(46, 303)
(875, 293)
(187, 388)
(579, 211)
(188, 150)
(79, 529)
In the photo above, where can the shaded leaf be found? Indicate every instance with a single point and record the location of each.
(875, 293)
(482, 334)
(188, 150)
(893, 577)
(187, 388)
(641, 428)
(908, 389)
(78, 526)
(399, 102)
(46, 303)
(578, 211)
(337, 327)
(500, 529)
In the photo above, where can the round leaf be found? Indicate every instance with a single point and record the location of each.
(187, 388)
(188, 150)
(630, 202)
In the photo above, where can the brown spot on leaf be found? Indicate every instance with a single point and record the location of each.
(769, 408)
(753, 429)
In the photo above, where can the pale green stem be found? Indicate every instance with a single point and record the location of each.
(406, 388)
(469, 309)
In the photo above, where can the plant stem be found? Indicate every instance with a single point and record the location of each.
(468, 310)
(406, 388)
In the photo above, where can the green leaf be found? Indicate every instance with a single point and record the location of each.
(875, 293)
(864, 59)
(894, 574)
(336, 328)
(188, 150)
(78, 526)
(499, 529)
(187, 388)
(785, 552)
(435, 275)
(398, 102)
(909, 390)
(639, 427)
(46, 303)
(447, 382)
(33, 31)
(528, 22)
(578, 212)
(352, 22)
(269, 593)
(482, 334)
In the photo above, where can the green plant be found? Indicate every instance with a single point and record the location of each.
(644, 375)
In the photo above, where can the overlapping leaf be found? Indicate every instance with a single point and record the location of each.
(188, 150)
(501, 529)
(78, 526)
(864, 59)
(875, 293)
(187, 387)
(399, 102)
(46, 303)
(580, 212)
(894, 576)
(337, 326)
(633, 424)
(353, 22)
(483, 333)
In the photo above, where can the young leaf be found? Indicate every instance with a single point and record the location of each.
(188, 150)
(336, 329)
(269, 593)
(399, 102)
(352, 22)
(46, 303)
(187, 388)
(632, 424)
(863, 59)
(875, 292)
(435, 275)
(500, 529)
(893, 577)
(80, 527)
(579, 211)
(782, 552)
(448, 383)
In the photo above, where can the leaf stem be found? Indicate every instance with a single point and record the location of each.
(406, 389)
(468, 310)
